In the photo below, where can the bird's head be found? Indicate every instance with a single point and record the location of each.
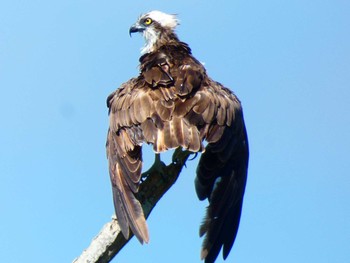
(155, 26)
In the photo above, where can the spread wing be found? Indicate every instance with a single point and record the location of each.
(221, 178)
(171, 105)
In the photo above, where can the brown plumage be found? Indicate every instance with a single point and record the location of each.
(174, 103)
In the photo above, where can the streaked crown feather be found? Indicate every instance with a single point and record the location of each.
(165, 20)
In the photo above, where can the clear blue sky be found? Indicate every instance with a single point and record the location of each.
(289, 63)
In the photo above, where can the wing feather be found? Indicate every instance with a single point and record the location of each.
(133, 112)
(229, 115)
(181, 132)
(163, 110)
(209, 112)
(159, 145)
(149, 130)
(215, 133)
(141, 114)
(169, 135)
(221, 116)
(195, 144)
(201, 103)
(183, 107)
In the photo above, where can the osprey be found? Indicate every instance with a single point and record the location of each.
(174, 103)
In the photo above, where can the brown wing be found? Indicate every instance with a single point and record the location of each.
(173, 103)
(222, 171)
(125, 158)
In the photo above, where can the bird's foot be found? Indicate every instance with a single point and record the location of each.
(180, 156)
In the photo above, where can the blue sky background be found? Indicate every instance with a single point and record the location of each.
(289, 63)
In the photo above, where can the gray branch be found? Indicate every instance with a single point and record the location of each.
(110, 240)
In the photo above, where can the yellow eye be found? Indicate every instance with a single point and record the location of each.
(148, 21)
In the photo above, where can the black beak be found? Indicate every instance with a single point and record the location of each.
(135, 28)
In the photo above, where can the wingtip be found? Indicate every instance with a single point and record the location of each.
(146, 241)
(204, 253)
(143, 238)
(142, 232)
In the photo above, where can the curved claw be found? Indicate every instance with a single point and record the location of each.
(194, 157)
(180, 156)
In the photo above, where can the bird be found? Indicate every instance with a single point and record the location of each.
(173, 103)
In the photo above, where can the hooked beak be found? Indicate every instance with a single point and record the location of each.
(136, 28)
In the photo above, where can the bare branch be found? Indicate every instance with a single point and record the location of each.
(110, 240)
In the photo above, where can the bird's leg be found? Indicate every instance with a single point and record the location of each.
(157, 167)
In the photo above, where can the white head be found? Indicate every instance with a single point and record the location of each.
(165, 20)
(152, 25)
